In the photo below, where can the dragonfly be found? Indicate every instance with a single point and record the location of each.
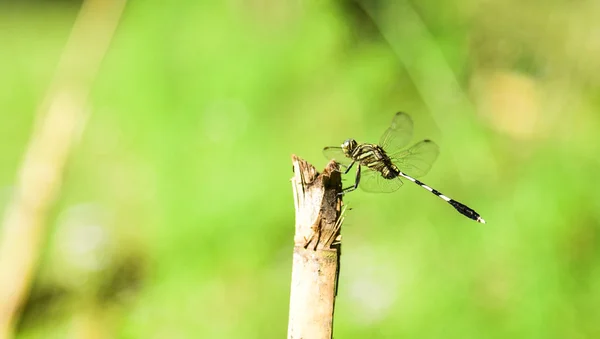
(382, 167)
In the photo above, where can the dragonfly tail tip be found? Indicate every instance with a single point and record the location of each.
(480, 219)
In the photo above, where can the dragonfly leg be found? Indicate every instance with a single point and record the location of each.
(349, 167)
(356, 182)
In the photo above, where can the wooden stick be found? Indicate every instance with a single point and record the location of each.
(60, 120)
(317, 249)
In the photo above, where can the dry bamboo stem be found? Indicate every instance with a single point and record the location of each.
(317, 246)
(60, 119)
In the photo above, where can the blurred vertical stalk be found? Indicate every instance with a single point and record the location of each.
(61, 117)
(317, 246)
(417, 49)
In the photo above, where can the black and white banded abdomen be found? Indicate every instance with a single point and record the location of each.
(461, 208)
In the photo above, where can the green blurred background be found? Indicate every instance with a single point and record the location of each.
(176, 217)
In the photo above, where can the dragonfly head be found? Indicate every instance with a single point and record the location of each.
(348, 146)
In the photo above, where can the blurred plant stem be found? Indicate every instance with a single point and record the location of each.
(60, 119)
(417, 50)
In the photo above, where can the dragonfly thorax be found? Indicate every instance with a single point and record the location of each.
(349, 146)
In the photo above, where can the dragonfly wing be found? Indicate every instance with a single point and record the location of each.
(337, 154)
(398, 135)
(417, 160)
(372, 181)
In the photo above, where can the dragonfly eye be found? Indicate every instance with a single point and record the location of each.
(346, 144)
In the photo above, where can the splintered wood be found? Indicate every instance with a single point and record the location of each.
(317, 245)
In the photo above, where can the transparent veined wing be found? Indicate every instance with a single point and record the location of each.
(417, 160)
(337, 154)
(398, 135)
(372, 181)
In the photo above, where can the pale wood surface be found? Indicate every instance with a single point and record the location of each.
(317, 245)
